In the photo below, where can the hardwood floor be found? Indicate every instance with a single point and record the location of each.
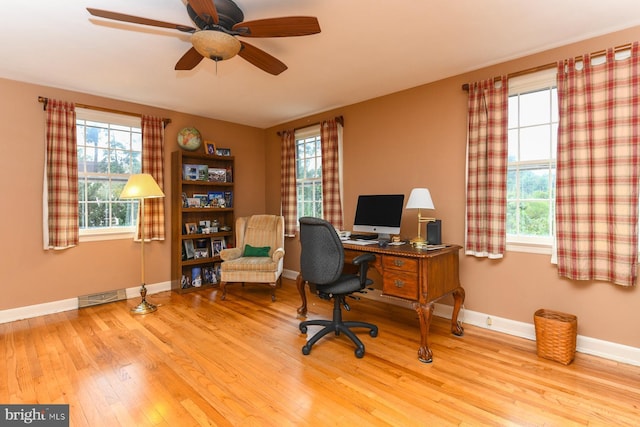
(201, 361)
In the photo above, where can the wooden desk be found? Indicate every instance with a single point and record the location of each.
(420, 276)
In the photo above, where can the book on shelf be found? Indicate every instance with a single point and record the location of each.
(228, 198)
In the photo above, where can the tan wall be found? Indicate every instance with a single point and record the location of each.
(417, 138)
(30, 275)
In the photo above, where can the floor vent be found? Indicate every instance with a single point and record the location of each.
(101, 298)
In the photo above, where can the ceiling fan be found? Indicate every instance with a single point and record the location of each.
(218, 23)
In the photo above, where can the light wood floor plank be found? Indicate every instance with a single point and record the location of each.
(199, 361)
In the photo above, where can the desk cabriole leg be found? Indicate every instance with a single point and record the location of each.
(425, 355)
(458, 300)
(300, 282)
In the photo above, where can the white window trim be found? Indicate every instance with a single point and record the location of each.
(113, 233)
(522, 84)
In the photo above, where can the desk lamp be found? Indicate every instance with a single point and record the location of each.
(142, 186)
(420, 198)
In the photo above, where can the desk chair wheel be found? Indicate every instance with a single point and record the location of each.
(306, 349)
(359, 353)
(373, 333)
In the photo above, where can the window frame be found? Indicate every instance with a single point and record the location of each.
(110, 232)
(541, 80)
(301, 135)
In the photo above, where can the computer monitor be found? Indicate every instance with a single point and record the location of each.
(380, 214)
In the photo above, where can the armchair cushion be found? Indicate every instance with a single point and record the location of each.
(262, 251)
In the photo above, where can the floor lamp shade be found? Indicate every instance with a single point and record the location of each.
(142, 186)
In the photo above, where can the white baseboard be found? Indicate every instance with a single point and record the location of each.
(606, 349)
(43, 309)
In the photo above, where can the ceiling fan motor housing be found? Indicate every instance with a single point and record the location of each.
(229, 14)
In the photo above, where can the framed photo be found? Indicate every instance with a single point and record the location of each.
(223, 151)
(203, 173)
(190, 172)
(210, 147)
(216, 199)
(193, 202)
(209, 275)
(217, 245)
(217, 175)
(204, 200)
(191, 228)
(201, 253)
(185, 281)
(189, 250)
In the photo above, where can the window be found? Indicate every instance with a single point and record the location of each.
(531, 166)
(109, 150)
(309, 172)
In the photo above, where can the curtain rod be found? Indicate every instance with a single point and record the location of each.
(465, 86)
(45, 101)
(339, 119)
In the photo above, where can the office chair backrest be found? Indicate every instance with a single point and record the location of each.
(322, 255)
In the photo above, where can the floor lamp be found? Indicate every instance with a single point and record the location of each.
(420, 198)
(142, 186)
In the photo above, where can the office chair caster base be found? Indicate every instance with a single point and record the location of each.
(306, 350)
(359, 353)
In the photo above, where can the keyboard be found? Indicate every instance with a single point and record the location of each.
(360, 242)
(364, 236)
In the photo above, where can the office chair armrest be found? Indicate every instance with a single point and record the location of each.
(231, 253)
(363, 261)
(277, 254)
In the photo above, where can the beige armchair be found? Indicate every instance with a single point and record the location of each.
(258, 255)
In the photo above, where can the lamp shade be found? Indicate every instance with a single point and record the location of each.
(420, 198)
(141, 186)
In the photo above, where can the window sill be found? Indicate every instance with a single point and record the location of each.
(106, 235)
(532, 248)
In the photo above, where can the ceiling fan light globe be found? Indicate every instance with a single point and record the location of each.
(215, 45)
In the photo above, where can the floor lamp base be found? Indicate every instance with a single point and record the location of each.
(144, 307)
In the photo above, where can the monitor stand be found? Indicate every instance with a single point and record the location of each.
(384, 236)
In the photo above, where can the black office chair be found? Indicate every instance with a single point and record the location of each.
(321, 263)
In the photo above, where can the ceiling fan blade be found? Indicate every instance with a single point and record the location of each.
(189, 60)
(138, 20)
(279, 27)
(204, 7)
(261, 59)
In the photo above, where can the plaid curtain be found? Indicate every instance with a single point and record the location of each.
(331, 201)
(597, 169)
(487, 149)
(288, 182)
(60, 189)
(153, 164)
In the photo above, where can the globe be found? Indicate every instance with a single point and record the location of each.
(189, 139)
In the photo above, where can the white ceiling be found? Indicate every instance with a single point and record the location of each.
(367, 48)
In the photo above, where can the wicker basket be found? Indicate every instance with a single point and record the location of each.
(556, 335)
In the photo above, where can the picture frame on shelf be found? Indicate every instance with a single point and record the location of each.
(193, 202)
(209, 275)
(203, 173)
(210, 147)
(217, 245)
(189, 249)
(217, 175)
(190, 172)
(191, 228)
(204, 200)
(223, 151)
(201, 253)
(214, 199)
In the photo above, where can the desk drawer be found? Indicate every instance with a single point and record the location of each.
(400, 284)
(409, 265)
